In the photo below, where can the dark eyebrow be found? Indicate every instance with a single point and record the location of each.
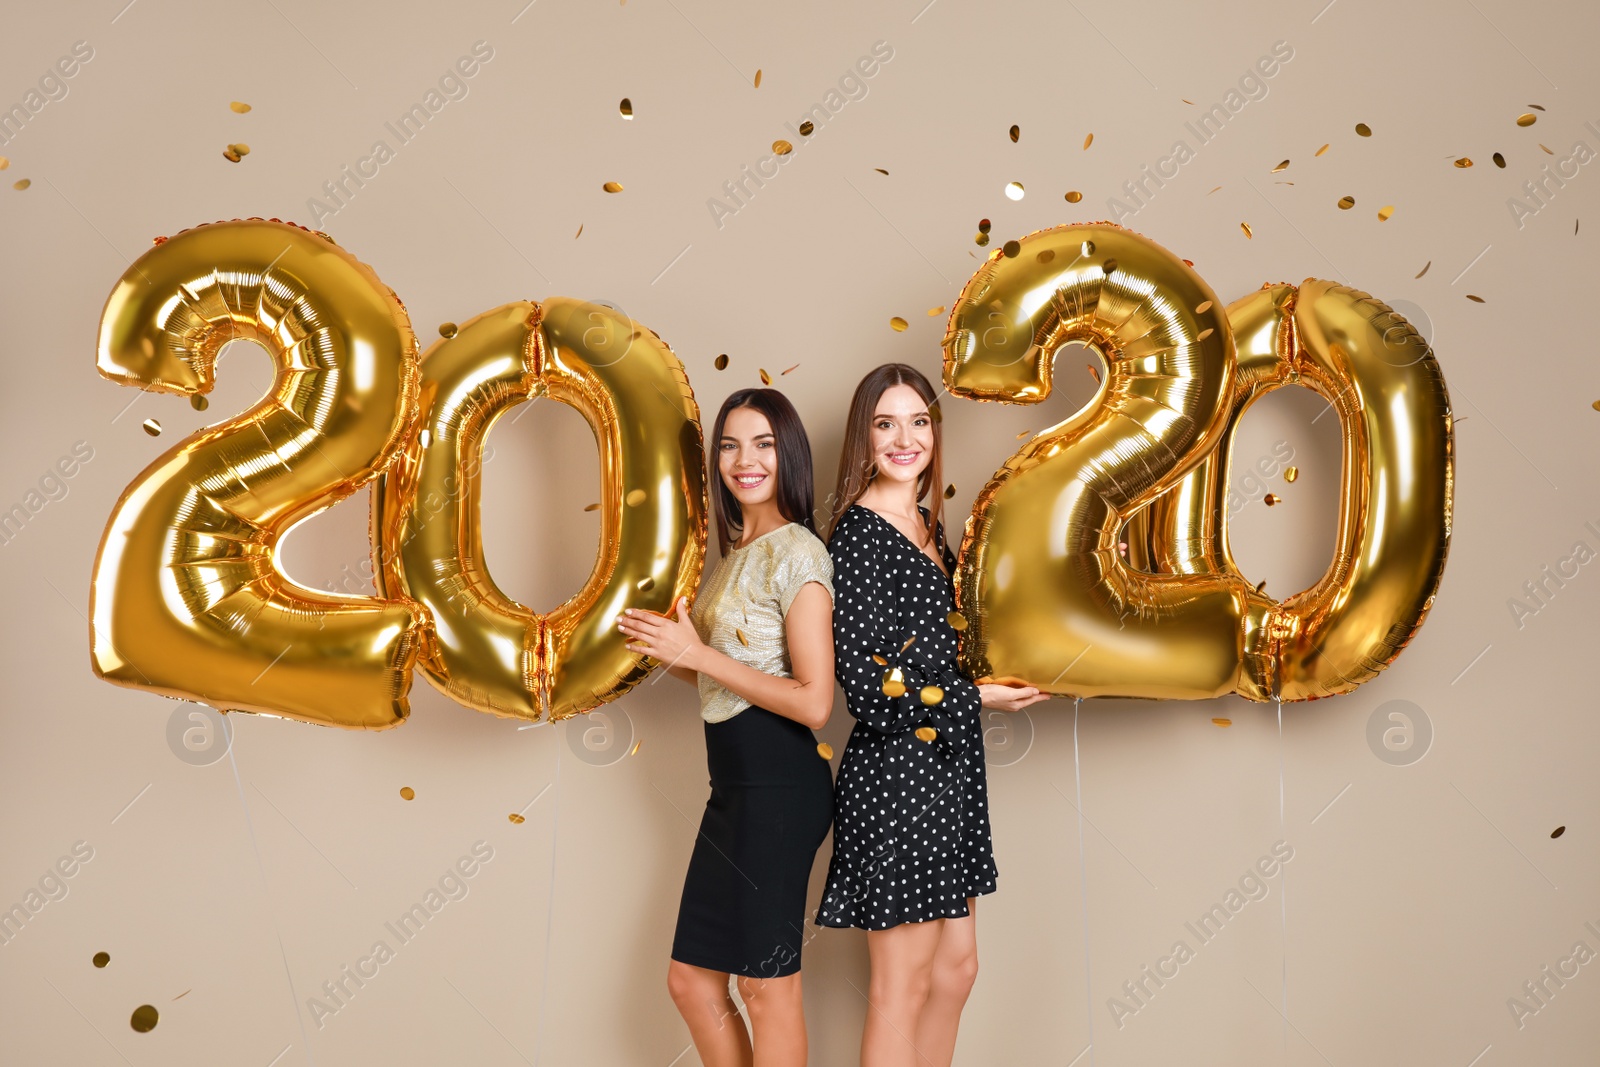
(735, 440)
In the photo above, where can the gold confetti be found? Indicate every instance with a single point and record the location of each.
(1073, 196)
(1207, 332)
(926, 733)
(893, 683)
(786, 371)
(898, 325)
(1479, 300)
(1363, 130)
(1424, 269)
(1385, 212)
(743, 640)
(766, 379)
(1321, 150)
(101, 959)
(1222, 722)
(634, 751)
(1011, 249)
(1499, 160)
(1463, 163)
(1202, 307)
(879, 660)
(782, 148)
(931, 694)
(4, 162)
(1527, 119)
(1283, 183)
(1281, 167)
(981, 238)
(1014, 191)
(447, 330)
(626, 108)
(645, 584)
(721, 362)
(198, 402)
(806, 128)
(1270, 499)
(984, 225)
(824, 750)
(1245, 226)
(1094, 372)
(144, 1018)
(1546, 149)
(185, 993)
(1558, 831)
(1046, 256)
(1262, 584)
(239, 107)
(1109, 266)
(241, 148)
(1016, 133)
(407, 793)
(1291, 473)
(758, 78)
(957, 621)
(152, 427)
(950, 491)
(230, 155)
(1189, 102)
(1087, 141)
(881, 171)
(516, 818)
(635, 497)
(612, 187)
(1346, 203)
(1023, 434)
(591, 507)
(936, 311)
(1214, 190)
(1596, 405)
(909, 642)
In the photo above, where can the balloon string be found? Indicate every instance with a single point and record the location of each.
(1083, 877)
(550, 904)
(1283, 890)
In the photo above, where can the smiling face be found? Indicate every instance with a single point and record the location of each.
(747, 458)
(902, 434)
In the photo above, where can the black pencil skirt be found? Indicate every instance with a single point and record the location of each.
(744, 899)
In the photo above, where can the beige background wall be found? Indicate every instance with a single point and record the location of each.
(1420, 897)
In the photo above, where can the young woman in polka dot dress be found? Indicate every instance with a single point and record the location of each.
(911, 847)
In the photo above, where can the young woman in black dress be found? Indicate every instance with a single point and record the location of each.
(759, 645)
(911, 846)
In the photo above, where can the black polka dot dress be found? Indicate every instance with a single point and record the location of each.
(911, 816)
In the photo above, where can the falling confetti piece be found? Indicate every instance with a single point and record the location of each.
(1189, 102)
(936, 311)
(516, 818)
(152, 427)
(766, 379)
(758, 79)
(198, 402)
(1045, 256)
(984, 225)
(230, 155)
(1245, 226)
(807, 128)
(926, 733)
(635, 497)
(407, 793)
(1014, 191)
(239, 107)
(101, 959)
(980, 238)
(1558, 831)
(591, 507)
(1108, 266)
(634, 751)
(950, 491)
(1207, 332)
(240, 149)
(645, 584)
(612, 187)
(881, 171)
(1499, 160)
(144, 1018)
(893, 685)
(789, 369)
(447, 330)
(1094, 372)
(898, 325)
(1214, 190)
(1346, 203)
(1291, 473)
(1547, 150)
(1011, 249)
(1424, 269)
(931, 695)
(1321, 150)
(879, 660)
(1073, 196)
(782, 148)
(1476, 299)
(1385, 212)
(579, 233)
(721, 362)
(185, 993)
(1527, 119)
(626, 108)
(1222, 722)
(1281, 167)
(824, 750)
(4, 162)
(1202, 307)
(957, 621)
(909, 642)
(1087, 141)
(1463, 163)
(1363, 130)
(743, 640)
(1271, 499)
(1016, 132)
(1537, 107)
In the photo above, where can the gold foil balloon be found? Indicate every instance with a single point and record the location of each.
(187, 598)
(495, 654)
(1173, 618)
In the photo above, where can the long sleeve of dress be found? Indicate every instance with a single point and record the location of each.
(867, 591)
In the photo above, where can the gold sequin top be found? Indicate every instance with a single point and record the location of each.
(740, 610)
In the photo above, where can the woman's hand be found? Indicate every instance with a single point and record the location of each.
(672, 639)
(1009, 697)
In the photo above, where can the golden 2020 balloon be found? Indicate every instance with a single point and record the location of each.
(187, 599)
(1049, 599)
(497, 655)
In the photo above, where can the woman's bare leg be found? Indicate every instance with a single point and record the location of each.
(777, 1020)
(714, 1020)
(955, 968)
(902, 978)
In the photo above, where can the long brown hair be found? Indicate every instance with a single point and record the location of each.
(858, 466)
(796, 488)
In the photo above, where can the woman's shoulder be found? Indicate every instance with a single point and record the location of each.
(853, 524)
(795, 539)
